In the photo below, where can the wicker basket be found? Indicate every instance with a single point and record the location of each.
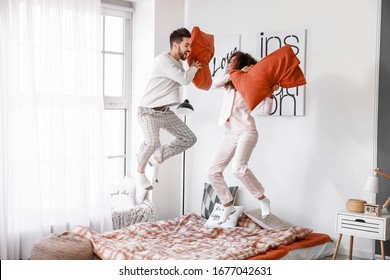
(356, 205)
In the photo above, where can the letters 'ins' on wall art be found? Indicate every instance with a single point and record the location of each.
(287, 102)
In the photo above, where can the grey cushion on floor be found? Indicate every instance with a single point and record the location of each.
(65, 246)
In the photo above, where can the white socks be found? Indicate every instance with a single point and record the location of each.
(265, 207)
(153, 163)
(142, 187)
(226, 213)
(144, 182)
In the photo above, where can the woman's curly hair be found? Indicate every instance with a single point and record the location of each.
(242, 60)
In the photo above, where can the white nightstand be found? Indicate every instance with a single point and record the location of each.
(361, 225)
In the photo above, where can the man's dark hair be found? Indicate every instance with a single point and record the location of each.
(178, 34)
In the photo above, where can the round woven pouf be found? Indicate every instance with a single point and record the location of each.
(356, 205)
(65, 246)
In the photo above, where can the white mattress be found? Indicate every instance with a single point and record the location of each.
(311, 253)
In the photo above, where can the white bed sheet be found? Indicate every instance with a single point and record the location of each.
(311, 253)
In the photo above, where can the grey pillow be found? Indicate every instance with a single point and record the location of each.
(210, 198)
(270, 222)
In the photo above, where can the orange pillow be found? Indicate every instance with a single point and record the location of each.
(279, 67)
(202, 50)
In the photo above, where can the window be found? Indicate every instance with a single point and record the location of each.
(116, 84)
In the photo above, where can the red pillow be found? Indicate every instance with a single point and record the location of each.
(202, 50)
(279, 67)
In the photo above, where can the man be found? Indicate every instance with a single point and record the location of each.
(163, 91)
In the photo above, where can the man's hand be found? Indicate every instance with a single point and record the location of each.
(196, 64)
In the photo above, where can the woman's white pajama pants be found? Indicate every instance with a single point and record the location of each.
(236, 147)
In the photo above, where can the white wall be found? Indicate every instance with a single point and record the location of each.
(311, 165)
(154, 20)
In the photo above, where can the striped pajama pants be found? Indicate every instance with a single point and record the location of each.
(151, 122)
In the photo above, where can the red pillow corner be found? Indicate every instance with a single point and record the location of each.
(202, 50)
(279, 67)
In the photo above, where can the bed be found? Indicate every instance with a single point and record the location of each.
(187, 238)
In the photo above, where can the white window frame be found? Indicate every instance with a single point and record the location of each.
(124, 102)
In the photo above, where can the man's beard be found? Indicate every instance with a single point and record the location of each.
(183, 55)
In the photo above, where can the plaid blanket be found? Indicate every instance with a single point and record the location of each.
(186, 238)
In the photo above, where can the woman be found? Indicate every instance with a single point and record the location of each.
(239, 139)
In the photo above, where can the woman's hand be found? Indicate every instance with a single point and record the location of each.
(276, 87)
(246, 69)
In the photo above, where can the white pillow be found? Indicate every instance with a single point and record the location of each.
(123, 194)
(214, 222)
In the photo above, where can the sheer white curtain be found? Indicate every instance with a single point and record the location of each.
(51, 128)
